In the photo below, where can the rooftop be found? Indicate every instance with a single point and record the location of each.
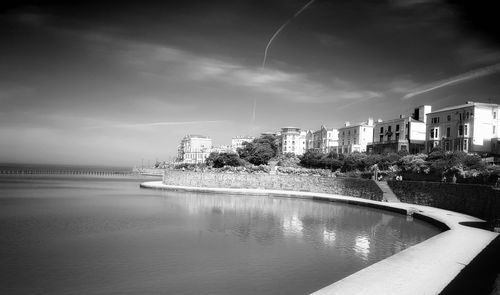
(468, 104)
(196, 136)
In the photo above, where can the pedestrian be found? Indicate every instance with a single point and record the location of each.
(454, 179)
(444, 178)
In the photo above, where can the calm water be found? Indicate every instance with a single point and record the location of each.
(68, 235)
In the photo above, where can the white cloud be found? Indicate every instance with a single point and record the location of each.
(175, 64)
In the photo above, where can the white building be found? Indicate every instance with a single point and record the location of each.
(324, 139)
(194, 149)
(355, 138)
(406, 133)
(222, 149)
(237, 141)
(293, 140)
(470, 127)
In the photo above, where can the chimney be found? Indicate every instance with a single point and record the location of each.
(347, 123)
(370, 121)
(379, 120)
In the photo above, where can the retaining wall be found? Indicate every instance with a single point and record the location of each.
(477, 200)
(361, 188)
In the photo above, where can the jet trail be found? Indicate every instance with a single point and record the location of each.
(281, 29)
(455, 80)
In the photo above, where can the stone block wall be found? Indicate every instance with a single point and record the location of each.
(477, 200)
(361, 188)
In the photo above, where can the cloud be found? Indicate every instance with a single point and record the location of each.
(155, 124)
(14, 91)
(173, 64)
(474, 53)
(489, 70)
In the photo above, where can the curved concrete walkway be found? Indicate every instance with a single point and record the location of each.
(426, 268)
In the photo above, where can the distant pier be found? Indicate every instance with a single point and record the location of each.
(30, 171)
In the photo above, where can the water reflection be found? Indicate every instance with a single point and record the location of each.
(368, 233)
(292, 225)
(362, 246)
(329, 237)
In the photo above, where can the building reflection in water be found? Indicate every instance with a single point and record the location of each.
(292, 225)
(329, 237)
(362, 246)
(365, 232)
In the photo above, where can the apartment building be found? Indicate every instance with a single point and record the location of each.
(354, 138)
(237, 141)
(324, 139)
(194, 149)
(406, 133)
(470, 127)
(293, 140)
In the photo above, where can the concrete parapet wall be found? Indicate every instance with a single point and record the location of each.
(477, 200)
(361, 188)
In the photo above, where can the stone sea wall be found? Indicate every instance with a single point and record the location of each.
(361, 188)
(477, 200)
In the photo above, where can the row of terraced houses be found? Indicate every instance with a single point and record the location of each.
(470, 127)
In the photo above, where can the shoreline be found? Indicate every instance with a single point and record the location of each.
(429, 267)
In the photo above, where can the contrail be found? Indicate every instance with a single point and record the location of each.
(281, 29)
(455, 80)
(271, 41)
(253, 114)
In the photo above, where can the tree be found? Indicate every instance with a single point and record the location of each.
(311, 159)
(260, 150)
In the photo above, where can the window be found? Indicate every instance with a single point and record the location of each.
(381, 129)
(389, 129)
(355, 141)
(349, 132)
(494, 129)
(448, 117)
(434, 133)
(448, 132)
(397, 136)
(494, 115)
(397, 127)
(348, 142)
(463, 130)
(355, 131)
(381, 138)
(467, 115)
(435, 120)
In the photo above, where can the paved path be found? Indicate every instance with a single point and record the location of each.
(388, 196)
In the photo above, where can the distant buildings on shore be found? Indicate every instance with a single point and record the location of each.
(194, 149)
(470, 127)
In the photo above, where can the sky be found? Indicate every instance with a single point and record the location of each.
(120, 83)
